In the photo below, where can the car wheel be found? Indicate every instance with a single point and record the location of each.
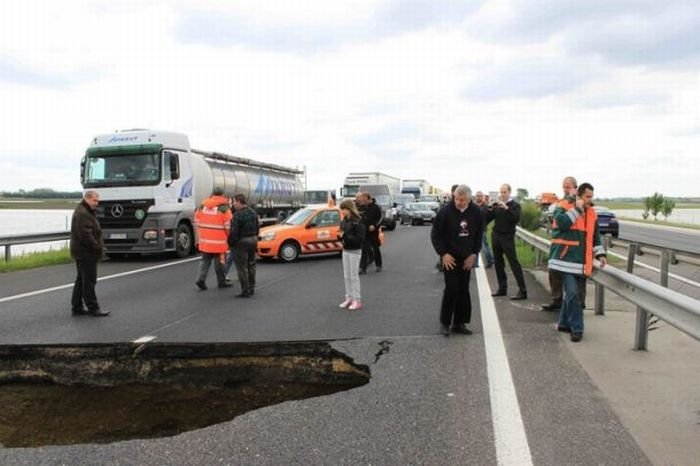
(289, 251)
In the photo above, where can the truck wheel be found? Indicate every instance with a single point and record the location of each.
(183, 241)
(289, 251)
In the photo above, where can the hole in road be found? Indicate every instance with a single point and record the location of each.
(100, 393)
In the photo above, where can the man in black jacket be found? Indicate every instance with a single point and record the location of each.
(505, 212)
(456, 236)
(372, 218)
(243, 240)
(86, 247)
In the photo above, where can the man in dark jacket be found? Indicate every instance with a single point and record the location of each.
(505, 212)
(243, 240)
(372, 218)
(456, 236)
(86, 248)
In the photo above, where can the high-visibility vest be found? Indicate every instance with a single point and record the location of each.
(213, 221)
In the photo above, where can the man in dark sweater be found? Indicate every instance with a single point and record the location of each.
(243, 240)
(456, 236)
(505, 212)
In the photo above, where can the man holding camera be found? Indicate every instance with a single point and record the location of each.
(505, 212)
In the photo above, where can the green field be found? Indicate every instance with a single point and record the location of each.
(36, 259)
(6, 203)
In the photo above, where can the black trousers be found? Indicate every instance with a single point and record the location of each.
(244, 257)
(504, 244)
(456, 301)
(557, 288)
(370, 248)
(84, 287)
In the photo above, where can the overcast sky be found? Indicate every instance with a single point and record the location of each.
(476, 92)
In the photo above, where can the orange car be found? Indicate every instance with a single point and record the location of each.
(311, 230)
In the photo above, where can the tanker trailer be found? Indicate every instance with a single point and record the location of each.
(150, 183)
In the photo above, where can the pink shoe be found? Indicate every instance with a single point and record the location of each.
(345, 303)
(355, 306)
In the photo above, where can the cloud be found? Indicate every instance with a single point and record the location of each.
(12, 72)
(527, 79)
(624, 32)
(258, 30)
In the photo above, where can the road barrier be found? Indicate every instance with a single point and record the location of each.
(676, 309)
(12, 240)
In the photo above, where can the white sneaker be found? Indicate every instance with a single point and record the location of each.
(355, 306)
(345, 303)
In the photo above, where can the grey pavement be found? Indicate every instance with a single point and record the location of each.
(427, 402)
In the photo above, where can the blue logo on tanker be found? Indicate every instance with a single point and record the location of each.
(186, 188)
(269, 186)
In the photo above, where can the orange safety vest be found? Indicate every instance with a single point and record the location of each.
(568, 244)
(213, 221)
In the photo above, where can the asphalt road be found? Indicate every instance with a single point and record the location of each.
(679, 239)
(431, 399)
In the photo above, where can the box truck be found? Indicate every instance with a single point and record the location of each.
(151, 182)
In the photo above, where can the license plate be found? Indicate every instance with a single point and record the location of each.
(604, 224)
(117, 236)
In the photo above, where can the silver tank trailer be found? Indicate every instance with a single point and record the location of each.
(273, 190)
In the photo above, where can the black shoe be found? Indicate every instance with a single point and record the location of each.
(99, 313)
(79, 312)
(489, 265)
(362, 272)
(551, 306)
(461, 328)
(445, 330)
(520, 296)
(201, 285)
(576, 337)
(243, 294)
(562, 328)
(225, 285)
(499, 293)
(251, 291)
(379, 269)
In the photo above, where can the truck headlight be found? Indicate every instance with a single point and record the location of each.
(150, 234)
(268, 236)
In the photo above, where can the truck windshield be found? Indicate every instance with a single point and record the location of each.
(350, 190)
(122, 170)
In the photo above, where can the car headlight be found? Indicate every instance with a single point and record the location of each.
(268, 236)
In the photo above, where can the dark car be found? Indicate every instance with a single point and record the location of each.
(607, 222)
(416, 213)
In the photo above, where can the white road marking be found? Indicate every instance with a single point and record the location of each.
(108, 277)
(144, 339)
(509, 431)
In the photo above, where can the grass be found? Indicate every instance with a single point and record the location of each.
(36, 259)
(622, 205)
(68, 204)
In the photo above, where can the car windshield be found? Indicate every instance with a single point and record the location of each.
(299, 217)
(429, 205)
(122, 169)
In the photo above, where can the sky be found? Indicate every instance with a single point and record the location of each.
(481, 92)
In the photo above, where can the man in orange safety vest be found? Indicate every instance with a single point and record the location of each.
(213, 222)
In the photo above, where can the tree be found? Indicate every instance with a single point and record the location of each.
(655, 202)
(522, 194)
(647, 208)
(667, 207)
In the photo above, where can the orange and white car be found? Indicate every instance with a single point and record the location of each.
(312, 230)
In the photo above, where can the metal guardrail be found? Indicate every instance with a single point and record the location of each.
(12, 240)
(676, 309)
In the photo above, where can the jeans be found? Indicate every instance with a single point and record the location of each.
(244, 257)
(555, 286)
(571, 314)
(229, 262)
(488, 255)
(351, 273)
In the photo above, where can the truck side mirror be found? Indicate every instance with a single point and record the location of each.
(82, 171)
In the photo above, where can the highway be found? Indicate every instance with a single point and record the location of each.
(679, 239)
(431, 399)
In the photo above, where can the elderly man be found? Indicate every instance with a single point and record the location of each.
(87, 248)
(456, 236)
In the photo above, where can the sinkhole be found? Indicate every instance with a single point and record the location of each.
(101, 393)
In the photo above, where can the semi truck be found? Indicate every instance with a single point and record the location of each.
(353, 181)
(151, 182)
(416, 187)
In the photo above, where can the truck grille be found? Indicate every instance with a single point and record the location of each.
(123, 214)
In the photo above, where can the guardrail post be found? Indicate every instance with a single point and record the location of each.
(599, 299)
(8, 254)
(641, 331)
(665, 258)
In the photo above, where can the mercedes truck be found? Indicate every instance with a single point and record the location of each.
(151, 182)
